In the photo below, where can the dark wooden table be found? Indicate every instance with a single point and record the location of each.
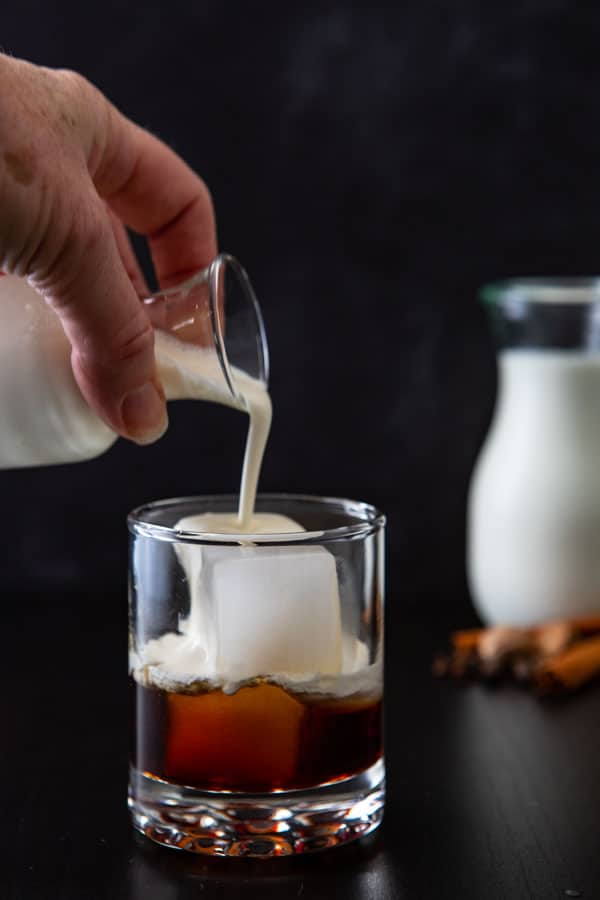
(492, 793)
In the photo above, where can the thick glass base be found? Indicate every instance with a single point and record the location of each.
(261, 825)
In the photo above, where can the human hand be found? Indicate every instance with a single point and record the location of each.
(73, 173)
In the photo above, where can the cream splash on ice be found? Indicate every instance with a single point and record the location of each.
(267, 612)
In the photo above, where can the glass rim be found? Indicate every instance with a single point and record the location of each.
(373, 521)
(523, 290)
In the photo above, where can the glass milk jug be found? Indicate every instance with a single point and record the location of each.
(534, 505)
(44, 418)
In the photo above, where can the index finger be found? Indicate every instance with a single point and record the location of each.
(155, 193)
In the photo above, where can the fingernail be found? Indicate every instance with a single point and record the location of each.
(144, 414)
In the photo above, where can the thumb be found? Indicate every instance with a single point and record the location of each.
(111, 336)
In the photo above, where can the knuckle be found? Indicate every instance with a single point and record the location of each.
(136, 338)
(122, 357)
(80, 110)
(73, 83)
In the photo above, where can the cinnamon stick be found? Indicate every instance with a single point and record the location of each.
(467, 639)
(571, 669)
(587, 625)
(553, 656)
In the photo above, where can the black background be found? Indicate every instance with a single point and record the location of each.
(371, 165)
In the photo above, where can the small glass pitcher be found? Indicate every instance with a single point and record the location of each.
(216, 309)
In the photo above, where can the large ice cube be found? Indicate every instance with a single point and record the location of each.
(198, 561)
(257, 610)
(276, 610)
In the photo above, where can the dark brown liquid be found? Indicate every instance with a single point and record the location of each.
(261, 738)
